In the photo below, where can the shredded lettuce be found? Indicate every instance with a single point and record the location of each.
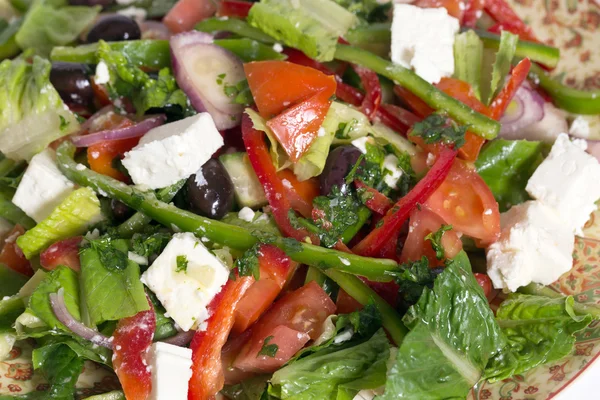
(278, 154)
(312, 26)
(468, 57)
(8, 31)
(351, 123)
(72, 217)
(53, 23)
(32, 113)
(501, 67)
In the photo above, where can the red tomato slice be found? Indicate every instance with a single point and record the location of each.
(288, 342)
(234, 8)
(275, 267)
(102, 155)
(464, 201)
(278, 85)
(207, 371)
(132, 338)
(454, 7)
(301, 194)
(346, 304)
(302, 310)
(187, 13)
(422, 223)
(486, 284)
(12, 256)
(65, 252)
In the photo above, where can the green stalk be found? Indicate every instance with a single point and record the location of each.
(363, 215)
(365, 295)
(547, 55)
(569, 99)
(6, 166)
(250, 50)
(14, 214)
(229, 235)
(478, 123)
(536, 289)
(233, 25)
(138, 221)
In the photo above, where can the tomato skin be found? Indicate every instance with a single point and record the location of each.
(486, 284)
(207, 371)
(187, 13)
(234, 8)
(422, 223)
(65, 252)
(302, 310)
(12, 256)
(464, 201)
(473, 11)
(275, 267)
(454, 7)
(132, 338)
(503, 14)
(101, 155)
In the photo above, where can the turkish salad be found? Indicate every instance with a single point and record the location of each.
(287, 199)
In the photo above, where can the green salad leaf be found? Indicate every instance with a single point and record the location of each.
(111, 293)
(468, 57)
(31, 110)
(165, 326)
(11, 280)
(502, 64)
(506, 166)
(10, 309)
(8, 31)
(61, 367)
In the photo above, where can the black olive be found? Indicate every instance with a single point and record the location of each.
(72, 83)
(210, 192)
(91, 3)
(339, 163)
(120, 211)
(114, 28)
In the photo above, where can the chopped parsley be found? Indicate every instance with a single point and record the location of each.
(110, 256)
(414, 277)
(269, 350)
(220, 78)
(248, 264)
(182, 264)
(436, 240)
(63, 123)
(438, 128)
(147, 245)
(336, 213)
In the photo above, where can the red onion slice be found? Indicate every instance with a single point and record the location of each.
(203, 70)
(181, 339)
(96, 116)
(57, 301)
(132, 131)
(529, 110)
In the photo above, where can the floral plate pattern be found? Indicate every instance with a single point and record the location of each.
(574, 27)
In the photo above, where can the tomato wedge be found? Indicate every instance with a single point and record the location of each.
(466, 202)
(302, 310)
(503, 14)
(12, 256)
(101, 156)
(207, 372)
(187, 13)
(234, 8)
(517, 77)
(275, 267)
(267, 175)
(397, 215)
(65, 252)
(132, 338)
(422, 223)
(301, 194)
(454, 7)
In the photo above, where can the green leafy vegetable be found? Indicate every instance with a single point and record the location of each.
(369, 10)
(268, 349)
(436, 240)
(83, 349)
(254, 388)
(61, 366)
(10, 309)
(334, 374)
(468, 57)
(539, 330)
(30, 109)
(165, 326)
(49, 23)
(506, 166)
(72, 217)
(337, 212)
(312, 26)
(504, 57)
(149, 244)
(111, 292)
(8, 31)
(247, 264)
(437, 128)
(111, 256)
(415, 276)
(453, 336)
(11, 280)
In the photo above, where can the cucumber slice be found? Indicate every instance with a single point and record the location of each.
(246, 186)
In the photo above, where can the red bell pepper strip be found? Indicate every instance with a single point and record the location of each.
(267, 175)
(132, 338)
(473, 12)
(397, 118)
(418, 106)
(378, 202)
(207, 371)
(395, 217)
(372, 88)
(503, 14)
(517, 76)
(234, 8)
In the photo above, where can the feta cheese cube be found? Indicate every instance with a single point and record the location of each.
(171, 368)
(246, 214)
(185, 294)
(568, 180)
(171, 152)
(361, 143)
(102, 76)
(391, 170)
(423, 39)
(534, 246)
(580, 127)
(43, 187)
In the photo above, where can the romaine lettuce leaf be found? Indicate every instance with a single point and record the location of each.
(32, 113)
(468, 57)
(72, 217)
(539, 330)
(61, 366)
(10, 309)
(506, 166)
(312, 26)
(453, 336)
(110, 292)
(82, 348)
(501, 68)
(334, 373)
(48, 24)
